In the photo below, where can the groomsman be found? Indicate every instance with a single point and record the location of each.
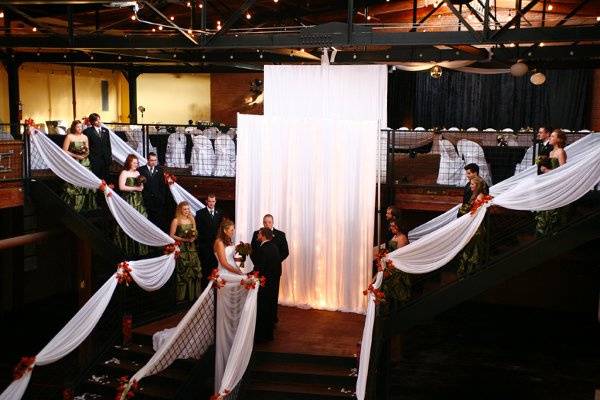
(100, 149)
(267, 261)
(544, 146)
(471, 171)
(280, 241)
(208, 221)
(155, 192)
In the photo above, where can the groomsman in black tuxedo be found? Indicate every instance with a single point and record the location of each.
(471, 171)
(544, 147)
(155, 192)
(267, 261)
(280, 241)
(207, 224)
(100, 149)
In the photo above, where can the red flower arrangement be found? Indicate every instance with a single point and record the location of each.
(219, 396)
(29, 122)
(379, 296)
(252, 279)
(25, 365)
(479, 203)
(218, 281)
(386, 267)
(126, 390)
(124, 273)
(172, 248)
(169, 178)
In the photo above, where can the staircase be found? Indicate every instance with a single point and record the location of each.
(513, 249)
(279, 376)
(94, 227)
(184, 379)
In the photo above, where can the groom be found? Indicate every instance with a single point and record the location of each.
(267, 261)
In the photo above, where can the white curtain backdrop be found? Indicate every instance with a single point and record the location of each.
(357, 92)
(305, 173)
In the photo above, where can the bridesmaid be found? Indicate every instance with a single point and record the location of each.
(187, 269)
(131, 190)
(397, 285)
(475, 252)
(76, 144)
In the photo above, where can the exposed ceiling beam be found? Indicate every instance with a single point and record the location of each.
(231, 20)
(516, 18)
(334, 34)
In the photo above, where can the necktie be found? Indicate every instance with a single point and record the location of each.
(98, 132)
(151, 170)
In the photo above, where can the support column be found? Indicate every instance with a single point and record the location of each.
(131, 76)
(12, 70)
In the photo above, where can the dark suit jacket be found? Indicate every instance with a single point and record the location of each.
(278, 238)
(544, 150)
(267, 260)
(100, 151)
(155, 188)
(207, 226)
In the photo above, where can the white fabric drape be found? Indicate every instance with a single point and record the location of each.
(367, 337)
(463, 66)
(580, 149)
(153, 273)
(69, 337)
(304, 173)
(356, 92)
(180, 194)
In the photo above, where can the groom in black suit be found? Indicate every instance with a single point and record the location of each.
(544, 147)
(267, 261)
(155, 192)
(208, 221)
(100, 149)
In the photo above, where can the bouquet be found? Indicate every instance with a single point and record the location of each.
(244, 250)
(80, 151)
(502, 140)
(140, 180)
(190, 233)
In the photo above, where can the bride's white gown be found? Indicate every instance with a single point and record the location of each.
(230, 302)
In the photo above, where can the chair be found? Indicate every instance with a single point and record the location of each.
(453, 129)
(225, 156)
(403, 128)
(471, 152)
(232, 133)
(451, 171)
(507, 130)
(175, 154)
(566, 130)
(472, 129)
(584, 131)
(419, 128)
(489, 130)
(203, 156)
(135, 139)
(526, 162)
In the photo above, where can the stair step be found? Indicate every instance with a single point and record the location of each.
(174, 374)
(296, 391)
(430, 286)
(525, 238)
(274, 371)
(448, 277)
(149, 388)
(271, 356)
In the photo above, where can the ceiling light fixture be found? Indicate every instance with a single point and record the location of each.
(1, 14)
(34, 29)
(550, 7)
(172, 18)
(248, 15)
(133, 17)
(160, 28)
(542, 44)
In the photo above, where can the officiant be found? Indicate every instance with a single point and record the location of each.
(267, 261)
(155, 192)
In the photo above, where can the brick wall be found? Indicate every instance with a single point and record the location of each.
(595, 108)
(227, 96)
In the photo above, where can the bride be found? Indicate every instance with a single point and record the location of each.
(224, 248)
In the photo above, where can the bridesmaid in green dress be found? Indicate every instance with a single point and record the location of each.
(397, 285)
(187, 269)
(475, 252)
(131, 190)
(76, 144)
(547, 222)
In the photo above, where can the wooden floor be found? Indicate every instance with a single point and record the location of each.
(299, 331)
(316, 332)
